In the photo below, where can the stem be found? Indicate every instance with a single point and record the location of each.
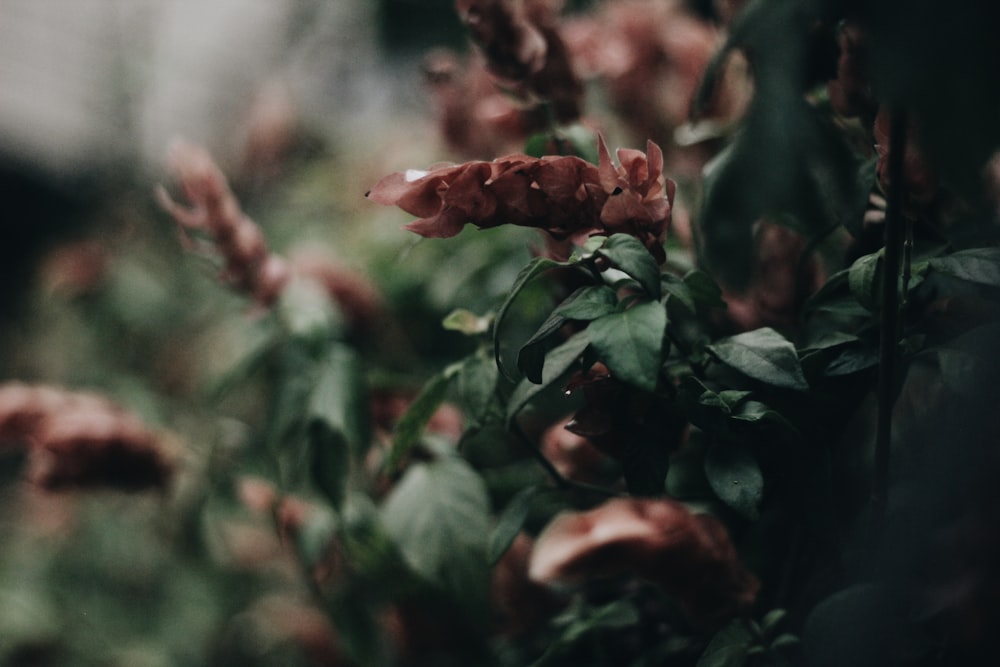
(889, 336)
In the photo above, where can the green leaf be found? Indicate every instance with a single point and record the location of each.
(537, 266)
(584, 622)
(474, 385)
(771, 620)
(531, 356)
(678, 289)
(704, 290)
(307, 312)
(439, 517)
(410, 426)
(627, 254)
(537, 144)
(864, 279)
(978, 265)
(762, 354)
(755, 411)
(557, 362)
(735, 477)
(785, 640)
(585, 304)
(728, 647)
(852, 359)
(466, 322)
(511, 521)
(340, 400)
(631, 343)
(588, 303)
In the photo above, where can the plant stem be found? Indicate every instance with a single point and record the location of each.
(889, 336)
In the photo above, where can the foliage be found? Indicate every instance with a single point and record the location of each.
(657, 410)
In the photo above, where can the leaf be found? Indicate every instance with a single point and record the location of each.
(631, 343)
(511, 521)
(735, 477)
(537, 144)
(531, 356)
(557, 362)
(678, 289)
(978, 265)
(534, 268)
(585, 621)
(704, 290)
(582, 139)
(438, 516)
(864, 279)
(308, 313)
(585, 304)
(852, 359)
(627, 254)
(340, 400)
(755, 411)
(466, 322)
(474, 383)
(771, 620)
(850, 627)
(728, 647)
(762, 354)
(330, 462)
(588, 303)
(410, 426)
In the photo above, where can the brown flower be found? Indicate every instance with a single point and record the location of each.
(639, 196)
(850, 93)
(649, 54)
(524, 50)
(215, 210)
(79, 439)
(358, 298)
(689, 555)
(920, 184)
(562, 195)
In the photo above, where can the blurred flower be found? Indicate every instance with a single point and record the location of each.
(574, 456)
(920, 185)
(277, 618)
(524, 51)
(358, 298)
(80, 439)
(519, 603)
(651, 54)
(249, 266)
(781, 281)
(660, 540)
(564, 196)
(850, 93)
(75, 268)
(475, 117)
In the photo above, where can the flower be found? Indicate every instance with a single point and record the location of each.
(639, 196)
(215, 210)
(81, 439)
(562, 195)
(688, 554)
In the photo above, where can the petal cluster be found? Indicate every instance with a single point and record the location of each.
(562, 195)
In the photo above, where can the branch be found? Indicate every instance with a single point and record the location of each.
(889, 337)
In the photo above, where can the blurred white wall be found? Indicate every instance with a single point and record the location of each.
(89, 82)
